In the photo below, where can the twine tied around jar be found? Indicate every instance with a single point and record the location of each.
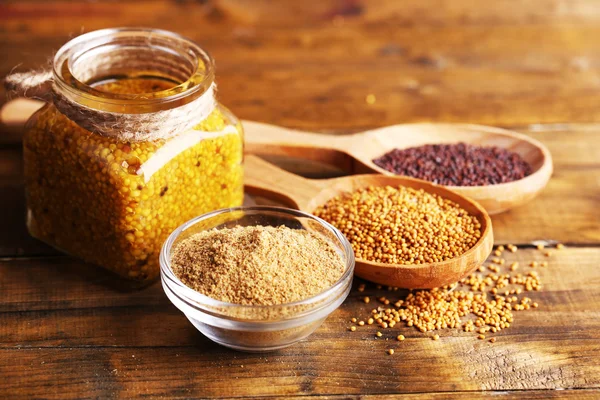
(150, 126)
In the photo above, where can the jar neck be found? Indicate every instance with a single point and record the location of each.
(132, 53)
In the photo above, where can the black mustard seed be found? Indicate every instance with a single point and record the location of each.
(457, 164)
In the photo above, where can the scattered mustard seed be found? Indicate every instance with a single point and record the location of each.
(379, 334)
(560, 246)
(353, 328)
(487, 297)
(391, 351)
(436, 337)
(400, 338)
(370, 99)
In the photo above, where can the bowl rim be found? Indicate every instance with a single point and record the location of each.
(201, 300)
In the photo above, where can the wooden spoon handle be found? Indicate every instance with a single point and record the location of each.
(264, 178)
(16, 113)
(270, 139)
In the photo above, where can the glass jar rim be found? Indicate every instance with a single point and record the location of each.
(189, 89)
(181, 290)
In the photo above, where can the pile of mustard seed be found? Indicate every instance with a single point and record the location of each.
(456, 164)
(257, 265)
(401, 225)
(484, 302)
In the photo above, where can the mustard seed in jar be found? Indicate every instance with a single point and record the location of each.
(113, 202)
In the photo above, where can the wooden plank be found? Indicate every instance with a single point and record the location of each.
(87, 338)
(25, 286)
(584, 394)
(290, 14)
(198, 372)
(457, 64)
(557, 213)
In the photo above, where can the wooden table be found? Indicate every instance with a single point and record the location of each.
(66, 331)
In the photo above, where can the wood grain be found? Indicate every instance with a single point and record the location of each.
(91, 336)
(68, 331)
(502, 64)
(583, 394)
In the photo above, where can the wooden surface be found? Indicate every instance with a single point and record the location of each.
(66, 330)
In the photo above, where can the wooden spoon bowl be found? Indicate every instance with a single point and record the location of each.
(267, 180)
(366, 146)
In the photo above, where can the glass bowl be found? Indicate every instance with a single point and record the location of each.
(256, 328)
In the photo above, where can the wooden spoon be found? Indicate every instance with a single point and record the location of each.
(267, 180)
(363, 147)
(356, 152)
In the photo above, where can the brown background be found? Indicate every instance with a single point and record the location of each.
(66, 331)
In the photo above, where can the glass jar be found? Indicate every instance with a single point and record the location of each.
(112, 200)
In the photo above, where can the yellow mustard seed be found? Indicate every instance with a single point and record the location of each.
(436, 337)
(353, 328)
(490, 298)
(400, 338)
(370, 99)
(391, 351)
(400, 225)
(560, 246)
(85, 196)
(379, 334)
